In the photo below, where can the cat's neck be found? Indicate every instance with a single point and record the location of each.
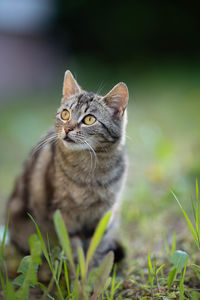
(82, 159)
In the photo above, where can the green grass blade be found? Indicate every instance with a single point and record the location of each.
(118, 285)
(4, 282)
(46, 255)
(150, 276)
(64, 238)
(60, 269)
(107, 284)
(197, 211)
(36, 250)
(75, 295)
(171, 277)
(99, 232)
(150, 264)
(47, 289)
(112, 292)
(3, 286)
(197, 190)
(10, 291)
(103, 272)
(29, 268)
(193, 209)
(43, 246)
(66, 278)
(81, 262)
(49, 250)
(173, 249)
(181, 285)
(159, 269)
(4, 239)
(189, 222)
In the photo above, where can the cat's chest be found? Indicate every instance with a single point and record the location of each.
(86, 187)
(85, 193)
(83, 198)
(83, 218)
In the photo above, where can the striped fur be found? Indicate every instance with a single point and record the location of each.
(83, 178)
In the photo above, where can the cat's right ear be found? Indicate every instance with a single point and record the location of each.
(70, 86)
(117, 98)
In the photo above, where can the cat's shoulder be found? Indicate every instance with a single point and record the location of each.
(47, 141)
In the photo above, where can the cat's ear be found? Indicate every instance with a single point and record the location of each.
(117, 98)
(70, 86)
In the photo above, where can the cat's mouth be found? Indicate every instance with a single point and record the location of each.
(68, 139)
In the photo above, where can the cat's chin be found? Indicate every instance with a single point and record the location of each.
(69, 144)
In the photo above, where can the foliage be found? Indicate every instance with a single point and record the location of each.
(179, 261)
(79, 287)
(102, 273)
(196, 211)
(82, 282)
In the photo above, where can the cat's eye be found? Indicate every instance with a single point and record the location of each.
(65, 114)
(89, 120)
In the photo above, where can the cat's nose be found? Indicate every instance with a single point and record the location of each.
(67, 129)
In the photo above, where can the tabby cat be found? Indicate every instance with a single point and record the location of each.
(79, 167)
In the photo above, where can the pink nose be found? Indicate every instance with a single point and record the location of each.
(67, 129)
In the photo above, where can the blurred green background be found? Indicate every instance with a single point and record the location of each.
(152, 46)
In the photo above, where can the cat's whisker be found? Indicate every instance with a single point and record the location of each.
(101, 85)
(91, 160)
(49, 140)
(92, 151)
(44, 142)
(81, 139)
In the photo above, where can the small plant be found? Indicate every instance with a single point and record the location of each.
(195, 229)
(102, 271)
(28, 269)
(179, 261)
(6, 284)
(84, 284)
(180, 258)
(153, 271)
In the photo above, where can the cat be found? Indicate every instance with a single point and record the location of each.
(79, 167)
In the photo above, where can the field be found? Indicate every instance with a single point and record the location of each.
(163, 144)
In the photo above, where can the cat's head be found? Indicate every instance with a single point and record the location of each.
(90, 121)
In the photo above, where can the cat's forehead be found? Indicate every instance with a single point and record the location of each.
(83, 101)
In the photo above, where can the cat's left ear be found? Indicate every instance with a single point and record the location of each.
(70, 86)
(117, 98)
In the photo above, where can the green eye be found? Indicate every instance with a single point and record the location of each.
(89, 120)
(65, 114)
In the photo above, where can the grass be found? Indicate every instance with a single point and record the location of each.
(77, 282)
(79, 286)
(163, 146)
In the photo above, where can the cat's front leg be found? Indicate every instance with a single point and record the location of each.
(107, 244)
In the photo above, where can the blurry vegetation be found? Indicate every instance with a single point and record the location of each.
(120, 30)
